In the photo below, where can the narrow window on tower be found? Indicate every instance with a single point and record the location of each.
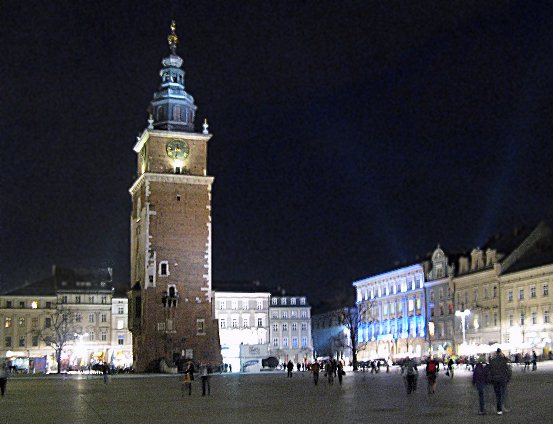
(178, 197)
(163, 268)
(200, 327)
(176, 113)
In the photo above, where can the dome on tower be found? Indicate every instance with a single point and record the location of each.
(172, 108)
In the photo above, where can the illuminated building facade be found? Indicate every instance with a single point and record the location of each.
(290, 329)
(439, 290)
(394, 323)
(170, 298)
(243, 318)
(96, 315)
(505, 290)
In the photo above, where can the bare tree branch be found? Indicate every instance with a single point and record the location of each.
(59, 330)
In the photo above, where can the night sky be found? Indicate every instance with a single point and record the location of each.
(348, 136)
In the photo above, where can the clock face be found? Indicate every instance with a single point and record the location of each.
(178, 149)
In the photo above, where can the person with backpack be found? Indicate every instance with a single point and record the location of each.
(431, 374)
(410, 372)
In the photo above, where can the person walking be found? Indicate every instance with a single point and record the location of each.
(410, 372)
(3, 377)
(480, 379)
(341, 372)
(105, 371)
(290, 368)
(500, 374)
(534, 361)
(187, 379)
(329, 371)
(315, 368)
(204, 374)
(526, 362)
(431, 375)
(450, 364)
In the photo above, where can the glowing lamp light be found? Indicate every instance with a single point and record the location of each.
(178, 164)
(463, 315)
(34, 304)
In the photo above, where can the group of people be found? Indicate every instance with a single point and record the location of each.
(332, 368)
(497, 373)
(188, 377)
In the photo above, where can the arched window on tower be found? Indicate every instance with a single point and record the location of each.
(170, 297)
(176, 113)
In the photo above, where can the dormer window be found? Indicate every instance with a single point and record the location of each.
(164, 268)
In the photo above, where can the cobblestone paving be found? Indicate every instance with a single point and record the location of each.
(270, 398)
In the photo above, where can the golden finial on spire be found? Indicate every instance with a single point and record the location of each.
(172, 39)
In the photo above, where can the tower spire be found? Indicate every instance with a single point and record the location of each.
(173, 38)
(172, 108)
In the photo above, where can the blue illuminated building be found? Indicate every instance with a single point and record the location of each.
(394, 314)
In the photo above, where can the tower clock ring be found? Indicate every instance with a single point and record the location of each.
(178, 149)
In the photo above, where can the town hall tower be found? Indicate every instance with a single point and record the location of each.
(170, 298)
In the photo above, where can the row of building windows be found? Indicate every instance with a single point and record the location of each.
(275, 301)
(287, 314)
(521, 294)
(35, 304)
(22, 340)
(293, 326)
(397, 328)
(442, 293)
(81, 299)
(533, 294)
(442, 310)
(283, 301)
(382, 309)
(388, 289)
(235, 324)
(22, 321)
(285, 342)
(533, 318)
(244, 304)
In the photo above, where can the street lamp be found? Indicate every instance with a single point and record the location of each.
(463, 315)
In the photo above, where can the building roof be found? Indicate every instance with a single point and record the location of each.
(66, 279)
(539, 252)
(45, 287)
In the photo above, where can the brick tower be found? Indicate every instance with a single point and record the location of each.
(170, 298)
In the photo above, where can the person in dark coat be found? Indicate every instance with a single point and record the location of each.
(500, 374)
(480, 378)
(315, 368)
(3, 377)
(290, 368)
